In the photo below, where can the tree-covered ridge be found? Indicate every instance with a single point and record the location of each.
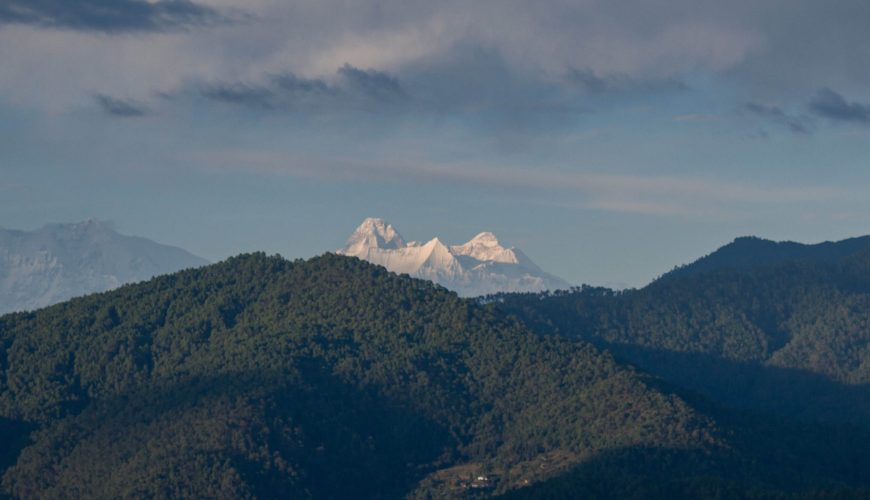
(806, 315)
(259, 376)
(751, 252)
(793, 335)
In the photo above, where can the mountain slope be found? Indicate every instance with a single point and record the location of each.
(332, 378)
(479, 267)
(258, 376)
(749, 252)
(790, 337)
(60, 261)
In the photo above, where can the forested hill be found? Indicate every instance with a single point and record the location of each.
(332, 378)
(261, 377)
(791, 337)
(750, 252)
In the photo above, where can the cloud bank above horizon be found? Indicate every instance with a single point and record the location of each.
(704, 116)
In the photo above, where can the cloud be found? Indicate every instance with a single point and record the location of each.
(831, 105)
(372, 83)
(119, 107)
(477, 86)
(109, 16)
(289, 82)
(804, 43)
(592, 83)
(437, 45)
(252, 96)
(509, 58)
(775, 114)
(649, 195)
(351, 88)
(279, 92)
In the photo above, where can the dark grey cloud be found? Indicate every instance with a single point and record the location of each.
(239, 93)
(354, 88)
(831, 105)
(468, 81)
(288, 82)
(278, 92)
(794, 123)
(109, 16)
(372, 83)
(119, 107)
(612, 84)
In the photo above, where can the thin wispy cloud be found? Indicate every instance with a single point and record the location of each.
(651, 195)
(774, 114)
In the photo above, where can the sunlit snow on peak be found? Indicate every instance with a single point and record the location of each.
(479, 267)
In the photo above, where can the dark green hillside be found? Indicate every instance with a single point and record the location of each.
(260, 377)
(792, 338)
(751, 252)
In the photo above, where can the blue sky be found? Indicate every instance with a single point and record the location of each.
(610, 140)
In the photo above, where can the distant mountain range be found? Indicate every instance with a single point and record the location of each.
(479, 267)
(60, 261)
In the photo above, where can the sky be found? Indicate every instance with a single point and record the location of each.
(610, 140)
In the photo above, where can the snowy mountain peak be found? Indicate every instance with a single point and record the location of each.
(485, 247)
(485, 238)
(479, 267)
(375, 233)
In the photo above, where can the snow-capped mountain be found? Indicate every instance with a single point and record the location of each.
(60, 261)
(479, 267)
